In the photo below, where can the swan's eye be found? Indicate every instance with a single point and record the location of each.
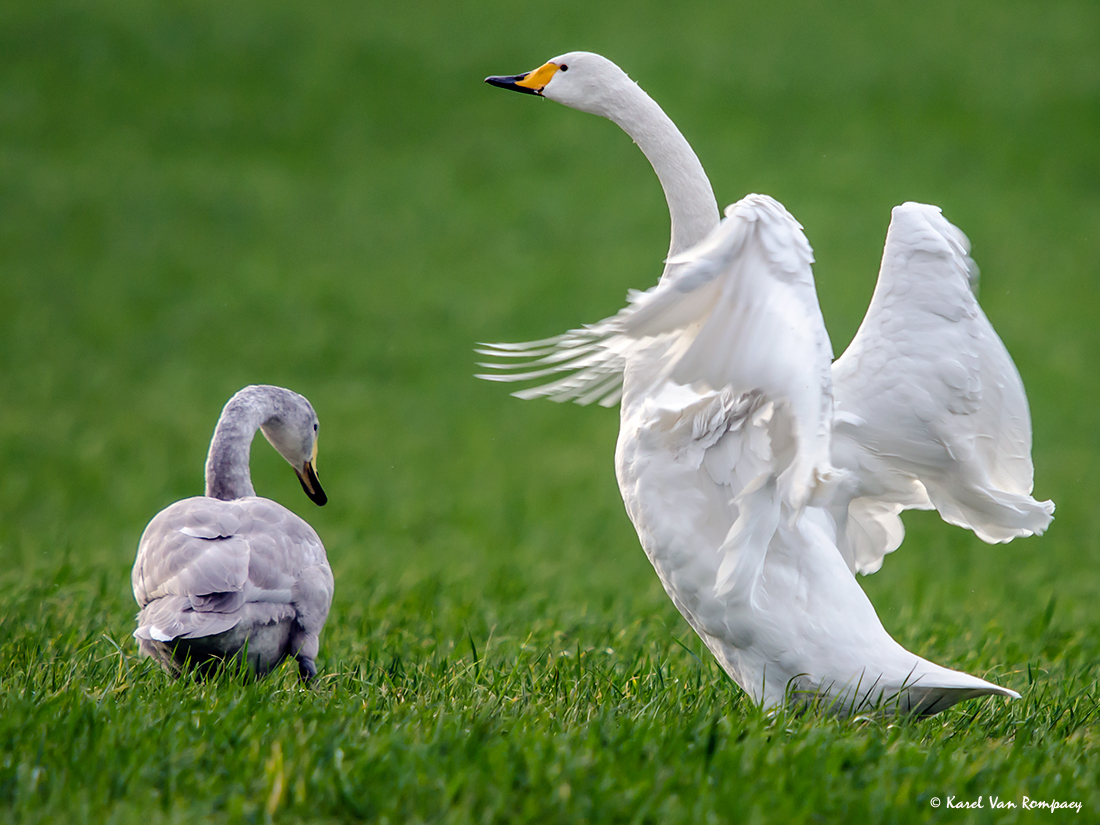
(314, 427)
(563, 68)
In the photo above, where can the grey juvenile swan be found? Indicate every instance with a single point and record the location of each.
(759, 475)
(229, 573)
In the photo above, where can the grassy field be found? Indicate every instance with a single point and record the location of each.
(195, 196)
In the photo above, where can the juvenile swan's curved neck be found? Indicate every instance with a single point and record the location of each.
(691, 202)
(227, 472)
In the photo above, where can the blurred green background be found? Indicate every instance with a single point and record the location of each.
(195, 196)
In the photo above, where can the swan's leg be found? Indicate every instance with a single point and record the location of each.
(306, 668)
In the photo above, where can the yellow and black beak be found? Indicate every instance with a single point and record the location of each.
(310, 483)
(531, 83)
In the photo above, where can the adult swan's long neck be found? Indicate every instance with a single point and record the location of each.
(691, 205)
(691, 202)
(601, 363)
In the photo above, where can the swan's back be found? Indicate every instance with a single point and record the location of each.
(211, 576)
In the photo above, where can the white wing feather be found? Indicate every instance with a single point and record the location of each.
(930, 410)
(745, 315)
(746, 388)
(589, 359)
(738, 311)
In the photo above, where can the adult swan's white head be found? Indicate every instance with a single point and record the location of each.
(758, 475)
(593, 84)
(580, 80)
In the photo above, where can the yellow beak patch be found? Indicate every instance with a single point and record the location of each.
(538, 79)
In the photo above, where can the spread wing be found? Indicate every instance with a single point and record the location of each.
(737, 312)
(742, 391)
(744, 313)
(201, 561)
(930, 409)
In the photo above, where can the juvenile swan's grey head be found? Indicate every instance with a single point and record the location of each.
(292, 430)
(287, 421)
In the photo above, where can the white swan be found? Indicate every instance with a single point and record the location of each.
(757, 476)
(229, 573)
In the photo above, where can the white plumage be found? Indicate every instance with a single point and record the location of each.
(230, 574)
(927, 393)
(759, 476)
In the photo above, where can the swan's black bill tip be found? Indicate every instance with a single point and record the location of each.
(511, 82)
(312, 485)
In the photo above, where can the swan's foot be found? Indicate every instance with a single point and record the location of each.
(306, 668)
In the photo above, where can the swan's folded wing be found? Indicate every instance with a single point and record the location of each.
(288, 563)
(172, 617)
(194, 548)
(203, 564)
(930, 410)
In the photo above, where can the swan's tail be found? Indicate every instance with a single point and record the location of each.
(929, 701)
(925, 691)
(175, 617)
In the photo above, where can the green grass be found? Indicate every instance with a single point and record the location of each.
(195, 196)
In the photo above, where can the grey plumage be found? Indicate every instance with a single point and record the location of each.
(230, 574)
